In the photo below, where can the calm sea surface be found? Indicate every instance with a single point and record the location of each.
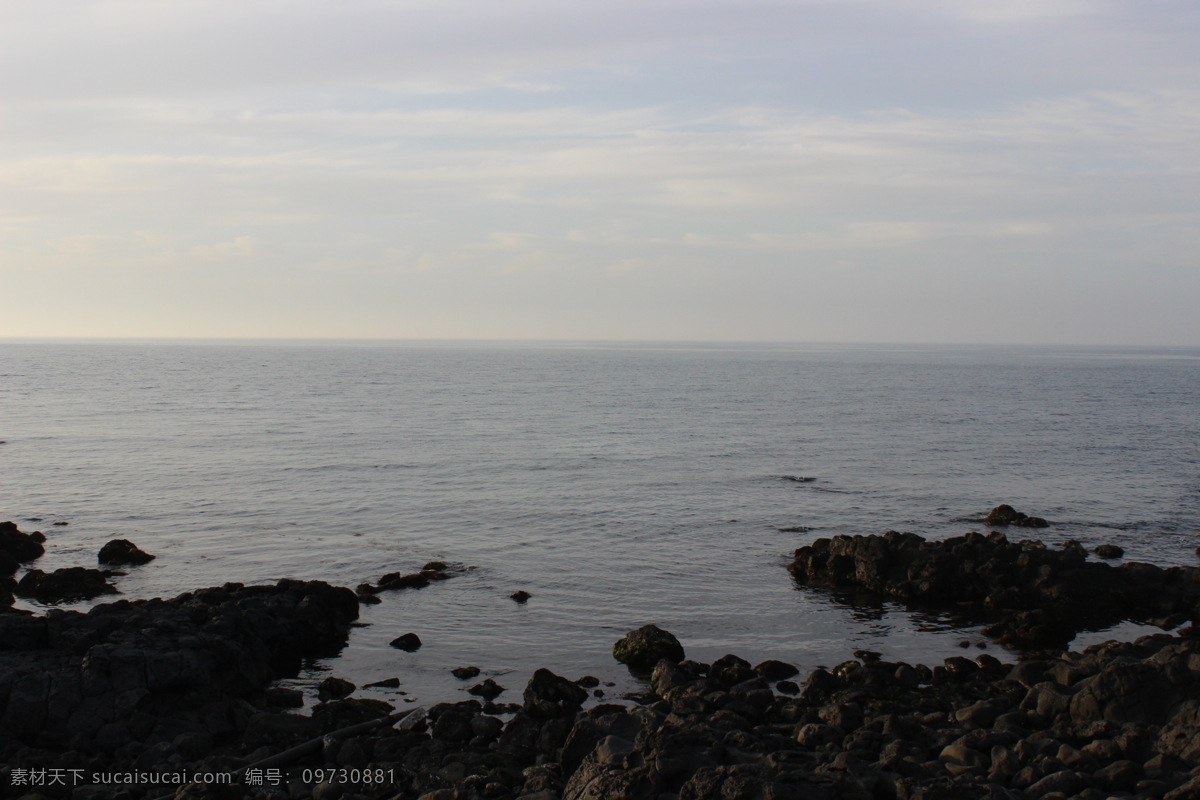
(619, 484)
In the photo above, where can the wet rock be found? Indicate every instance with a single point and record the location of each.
(122, 551)
(64, 585)
(465, 673)
(386, 683)
(1108, 551)
(643, 648)
(521, 596)
(430, 573)
(409, 642)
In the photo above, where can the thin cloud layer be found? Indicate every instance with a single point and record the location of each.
(928, 171)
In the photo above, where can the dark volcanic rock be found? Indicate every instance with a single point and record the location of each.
(64, 585)
(641, 649)
(1108, 551)
(521, 596)
(123, 551)
(1044, 595)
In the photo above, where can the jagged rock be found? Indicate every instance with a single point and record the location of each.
(643, 648)
(521, 596)
(122, 551)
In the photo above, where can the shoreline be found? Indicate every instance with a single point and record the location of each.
(183, 686)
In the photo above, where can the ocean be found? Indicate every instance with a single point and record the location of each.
(618, 483)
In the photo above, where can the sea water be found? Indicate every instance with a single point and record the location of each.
(619, 484)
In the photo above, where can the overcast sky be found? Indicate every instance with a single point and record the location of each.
(789, 170)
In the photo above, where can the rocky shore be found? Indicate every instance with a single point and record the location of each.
(164, 688)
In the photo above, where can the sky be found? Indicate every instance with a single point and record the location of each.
(948, 171)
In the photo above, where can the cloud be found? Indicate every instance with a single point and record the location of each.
(533, 151)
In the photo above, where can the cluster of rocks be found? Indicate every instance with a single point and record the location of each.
(184, 685)
(1038, 597)
(1119, 720)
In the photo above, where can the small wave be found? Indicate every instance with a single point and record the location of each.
(798, 478)
(796, 529)
(1112, 526)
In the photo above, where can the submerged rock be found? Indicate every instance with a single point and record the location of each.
(431, 572)
(1007, 515)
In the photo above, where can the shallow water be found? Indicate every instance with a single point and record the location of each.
(619, 484)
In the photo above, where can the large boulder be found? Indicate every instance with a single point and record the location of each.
(643, 648)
